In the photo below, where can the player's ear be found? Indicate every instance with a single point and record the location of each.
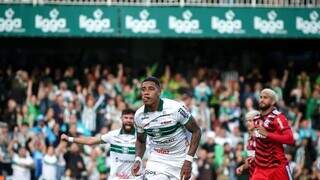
(159, 91)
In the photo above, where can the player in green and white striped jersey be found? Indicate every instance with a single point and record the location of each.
(122, 146)
(164, 122)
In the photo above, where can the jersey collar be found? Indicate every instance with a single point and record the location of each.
(271, 112)
(160, 107)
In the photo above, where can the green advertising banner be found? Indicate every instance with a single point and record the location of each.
(22, 20)
(190, 22)
(220, 22)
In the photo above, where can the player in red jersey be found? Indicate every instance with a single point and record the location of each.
(249, 162)
(272, 131)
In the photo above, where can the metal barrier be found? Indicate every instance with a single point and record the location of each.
(205, 3)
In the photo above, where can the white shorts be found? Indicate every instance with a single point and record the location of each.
(159, 171)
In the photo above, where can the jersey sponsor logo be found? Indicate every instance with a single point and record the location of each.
(145, 117)
(165, 141)
(183, 113)
(150, 172)
(166, 122)
(124, 160)
(162, 150)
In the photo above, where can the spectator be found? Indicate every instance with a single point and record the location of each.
(75, 167)
(22, 164)
(49, 165)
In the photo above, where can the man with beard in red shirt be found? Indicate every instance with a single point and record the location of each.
(272, 131)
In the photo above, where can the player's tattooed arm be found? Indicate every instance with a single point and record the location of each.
(195, 138)
(193, 127)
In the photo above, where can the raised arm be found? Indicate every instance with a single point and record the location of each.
(82, 140)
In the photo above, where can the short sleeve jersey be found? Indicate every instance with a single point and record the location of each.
(165, 130)
(122, 153)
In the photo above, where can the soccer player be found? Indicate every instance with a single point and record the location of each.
(164, 122)
(122, 150)
(249, 162)
(272, 131)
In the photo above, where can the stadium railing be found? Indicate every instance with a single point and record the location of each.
(206, 3)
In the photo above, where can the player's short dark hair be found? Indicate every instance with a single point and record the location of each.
(127, 111)
(152, 79)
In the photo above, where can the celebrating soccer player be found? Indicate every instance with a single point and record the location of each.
(165, 122)
(272, 131)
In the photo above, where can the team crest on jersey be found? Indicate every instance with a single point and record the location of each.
(125, 149)
(266, 123)
(156, 132)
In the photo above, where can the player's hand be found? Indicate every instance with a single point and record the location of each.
(64, 137)
(249, 160)
(262, 131)
(135, 170)
(185, 173)
(239, 170)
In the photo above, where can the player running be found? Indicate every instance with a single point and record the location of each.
(272, 131)
(164, 122)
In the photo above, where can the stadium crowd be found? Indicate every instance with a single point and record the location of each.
(38, 105)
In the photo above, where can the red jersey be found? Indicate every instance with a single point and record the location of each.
(251, 154)
(269, 152)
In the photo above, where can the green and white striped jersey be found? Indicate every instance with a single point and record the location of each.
(122, 153)
(165, 130)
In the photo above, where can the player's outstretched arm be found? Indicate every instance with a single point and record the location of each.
(140, 149)
(81, 140)
(195, 138)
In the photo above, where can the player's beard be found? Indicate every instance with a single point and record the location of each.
(128, 128)
(264, 107)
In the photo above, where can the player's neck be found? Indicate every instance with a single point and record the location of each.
(155, 106)
(265, 112)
